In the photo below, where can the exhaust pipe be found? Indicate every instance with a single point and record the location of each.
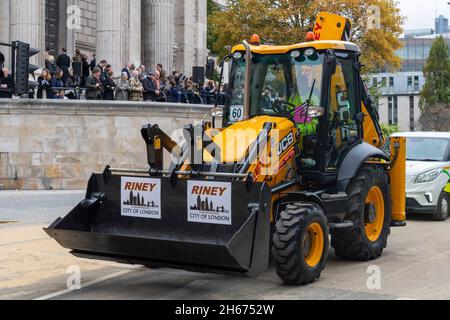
(248, 74)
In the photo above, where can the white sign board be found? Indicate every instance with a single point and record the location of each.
(236, 113)
(141, 197)
(209, 202)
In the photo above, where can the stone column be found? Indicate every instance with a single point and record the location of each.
(159, 33)
(134, 33)
(70, 30)
(201, 26)
(27, 24)
(4, 30)
(184, 36)
(111, 32)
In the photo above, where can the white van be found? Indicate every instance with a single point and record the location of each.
(427, 173)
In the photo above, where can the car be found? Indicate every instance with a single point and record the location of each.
(427, 173)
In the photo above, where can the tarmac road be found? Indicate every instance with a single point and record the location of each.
(416, 265)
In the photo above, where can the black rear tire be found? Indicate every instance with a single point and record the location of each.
(441, 214)
(288, 250)
(353, 243)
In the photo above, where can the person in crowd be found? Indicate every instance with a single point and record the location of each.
(197, 98)
(85, 67)
(143, 73)
(136, 88)
(127, 69)
(57, 82)
(60, 95)
(94, 86)
(160, 86)
(102, 66)
(73, 82)
(123, 87)
(44, 84)
(6, 82)
(187, 93)
(210, 92)
(151, 91)
(63, 63)
(93, 62)
(51, 65)
(222, 95)
(109, 86)
(162, 72)
(174, 92)
(77, 56)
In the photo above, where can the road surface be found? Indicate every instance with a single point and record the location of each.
(416, 265)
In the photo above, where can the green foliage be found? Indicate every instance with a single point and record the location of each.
(437, 75)
(212, 9)
(436, 118)
(389, 129)
(287, 21)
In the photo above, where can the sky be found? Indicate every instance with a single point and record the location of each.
(421, 13)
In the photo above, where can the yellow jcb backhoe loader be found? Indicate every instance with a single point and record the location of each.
(298, 159)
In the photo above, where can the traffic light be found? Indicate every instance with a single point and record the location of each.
(23, 67)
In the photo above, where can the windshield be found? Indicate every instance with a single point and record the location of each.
(279, 82)
(427, 149)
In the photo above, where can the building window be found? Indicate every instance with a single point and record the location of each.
(383, 82)
(410, 84)
(375, 82)
(391, 82)
(416, 83)
(411, 113)
(393, 110)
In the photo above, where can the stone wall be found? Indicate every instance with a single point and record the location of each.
(86, 37)
(57, 145)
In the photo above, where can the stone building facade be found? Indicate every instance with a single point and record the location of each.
(170, 32)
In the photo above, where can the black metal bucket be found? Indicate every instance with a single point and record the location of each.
(204, 235)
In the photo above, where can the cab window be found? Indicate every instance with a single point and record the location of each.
(342, 110)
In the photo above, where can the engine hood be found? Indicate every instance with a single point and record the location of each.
(235, 140)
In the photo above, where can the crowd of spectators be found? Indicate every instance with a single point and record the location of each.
(60, 79)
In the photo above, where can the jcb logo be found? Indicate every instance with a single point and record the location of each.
(285, 143)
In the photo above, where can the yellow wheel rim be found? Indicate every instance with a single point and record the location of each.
(376, 200)
(313, 244)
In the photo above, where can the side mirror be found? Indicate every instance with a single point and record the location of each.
(330, 63)
(210, 68)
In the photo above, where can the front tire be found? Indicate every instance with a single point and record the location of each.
(442, 210)
(300, 243)
(370, 210)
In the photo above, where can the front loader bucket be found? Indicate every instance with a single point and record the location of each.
(197, 225)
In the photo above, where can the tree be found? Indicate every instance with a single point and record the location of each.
(389, 129)
(436, 118)
(212, 9)
(287, 21)
(437, 75)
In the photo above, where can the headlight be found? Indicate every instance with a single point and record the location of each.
(428, 176)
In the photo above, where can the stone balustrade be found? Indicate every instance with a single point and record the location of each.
(46, 144)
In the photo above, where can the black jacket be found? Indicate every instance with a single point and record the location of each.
(63, 61)
(109, 86)
(8, 81)
(149, 89)
(43, 85)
